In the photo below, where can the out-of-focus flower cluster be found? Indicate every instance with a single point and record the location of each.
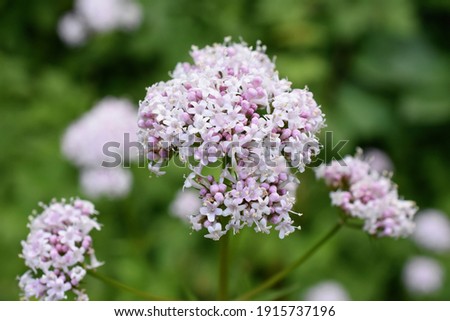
(230, 106)
(362, 192)
(378, 160)
(98, 16)
(58, 250)
(423, 275)
(432, 231)
(328, 290)
(84, 144)
(185, 204)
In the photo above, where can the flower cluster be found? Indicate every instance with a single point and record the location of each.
(378, 160)
(109, 121)
(328, 290)
(230, 106)
(364, 193)
(432, 231)
(113, 182)
(423, 275)
(56, 250)
(185, 204)
(98, 16)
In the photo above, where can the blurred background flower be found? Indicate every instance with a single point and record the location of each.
(109, 182)
(99, 144)
(422, 275)
(85, 141)
(378, 160)
(98, 16)
(326, 291)
(432, 230)
(186, 203)
(379, 69)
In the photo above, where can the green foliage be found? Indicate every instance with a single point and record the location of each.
(380, 70)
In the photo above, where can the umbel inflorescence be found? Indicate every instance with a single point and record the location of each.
(85, 144)
(58, 250)
(231, 107)
(364, 193)
(98, 16)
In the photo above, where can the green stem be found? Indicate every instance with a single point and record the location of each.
(283, 273)
(121, 286)
(223, 268)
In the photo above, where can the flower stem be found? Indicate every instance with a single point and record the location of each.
(121, 286)
(223, 267)
(283, 273)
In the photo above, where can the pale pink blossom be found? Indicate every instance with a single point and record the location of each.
(231, 106)
(327, 291)
(423, 275)
(58, 250)
(432, 230)
(362, 192)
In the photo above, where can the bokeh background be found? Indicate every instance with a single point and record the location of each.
(380, 70)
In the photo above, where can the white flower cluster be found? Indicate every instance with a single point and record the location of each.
(56, 251)
(114, 183)
(422, 275)
(432, 231)
(98, 16)
(84, 142)
(185, 204)
(230, 106)
(364, 193)
(378, 160)
(328, 290)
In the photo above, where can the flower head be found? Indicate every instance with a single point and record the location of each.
(327, 291)
(114, 182)
(108, 121)
(72, 30)
(231, 106)
(106, 15)
(96, 141)
(362, 192)
(98, 16)
(422, 275)
(378, 159)
(228, 102)
(185, 204)
(59, 250)
(432, 230)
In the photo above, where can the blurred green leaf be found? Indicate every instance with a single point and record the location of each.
(426, 108)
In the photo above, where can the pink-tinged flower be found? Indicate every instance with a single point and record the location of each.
(107, 15)
(378, 160)
(59, 250)
(185, 204)
(98, 16)
(72, 30)
(100, 143)
(327, 291)
(432, 230)
(230, 106)
(422, 275)
(215, 231)
(362, 192)
(107, 122)
(113, 183)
